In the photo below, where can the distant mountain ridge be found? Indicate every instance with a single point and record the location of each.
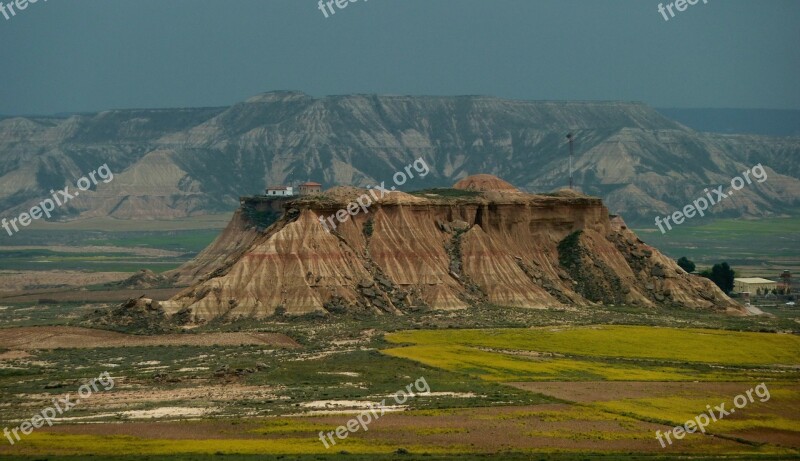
(179, 162)
(767, 122)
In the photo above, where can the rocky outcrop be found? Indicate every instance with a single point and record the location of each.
(143, 279)
(438, 252)
(483, 183)
(140, 314)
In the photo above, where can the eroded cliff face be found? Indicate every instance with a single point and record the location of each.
(408, 252)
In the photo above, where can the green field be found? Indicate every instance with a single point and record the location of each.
(348, 456)
(469, 370)
(108, 224)
(187, 243)
(602, 353)
(43, 260)
(631, 353)
(761, 247)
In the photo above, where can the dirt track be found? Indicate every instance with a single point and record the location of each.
(31, 338)
(15, 283)
(74, 295)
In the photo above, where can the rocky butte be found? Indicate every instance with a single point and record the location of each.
(483, 241)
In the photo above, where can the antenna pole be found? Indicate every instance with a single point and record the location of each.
(570, 137)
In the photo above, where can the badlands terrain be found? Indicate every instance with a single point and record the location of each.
(544, 327)
(483, 241)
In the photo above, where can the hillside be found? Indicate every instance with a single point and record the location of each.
(502, 246)
(184, 162)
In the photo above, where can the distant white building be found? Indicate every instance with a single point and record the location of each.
(280, 191)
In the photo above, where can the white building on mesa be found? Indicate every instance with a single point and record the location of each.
(280, 191)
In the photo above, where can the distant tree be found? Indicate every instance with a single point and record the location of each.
(722, 275)
(686, 265)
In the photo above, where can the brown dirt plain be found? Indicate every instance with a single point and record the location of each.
(11, 282)
(487, 430)
(32, 338)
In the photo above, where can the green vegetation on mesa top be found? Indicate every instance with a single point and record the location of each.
(446, 193)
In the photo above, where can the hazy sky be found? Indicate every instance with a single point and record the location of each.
(88, 55)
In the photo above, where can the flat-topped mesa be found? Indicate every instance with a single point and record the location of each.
(441, 249)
